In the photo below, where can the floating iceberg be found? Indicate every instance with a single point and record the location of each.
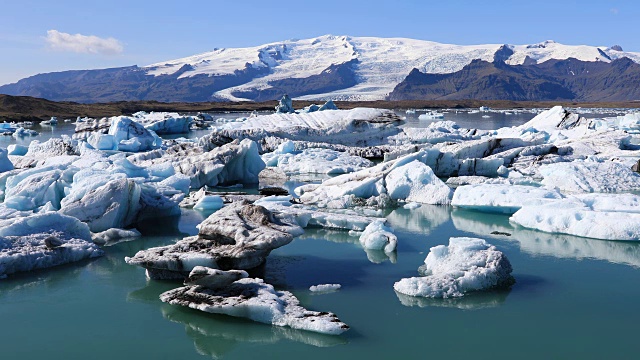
(325, 287)
(239, 236)
(377, 236)
(43, 240)
(466, 265)
(258, 301)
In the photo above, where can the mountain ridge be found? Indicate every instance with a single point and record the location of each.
(325, 67)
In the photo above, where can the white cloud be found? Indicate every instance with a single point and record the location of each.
(614, 11)
(88, 44)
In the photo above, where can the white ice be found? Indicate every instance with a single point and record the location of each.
(465, 265)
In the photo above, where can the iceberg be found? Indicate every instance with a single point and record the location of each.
(43, 240)
(466, 265)
(377, 236)
(258, 301)
(239, 236)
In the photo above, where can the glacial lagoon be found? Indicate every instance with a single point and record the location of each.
(568, 291)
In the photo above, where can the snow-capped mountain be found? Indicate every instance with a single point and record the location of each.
(336, 67)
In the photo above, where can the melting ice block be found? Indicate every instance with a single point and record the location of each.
(258, 301)
(467, 264)
(42, 241)
(377, 236)
(239, 236)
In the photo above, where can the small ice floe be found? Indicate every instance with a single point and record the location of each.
(324, 288)
(466, 265)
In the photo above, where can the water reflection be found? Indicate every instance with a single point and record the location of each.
(422, 220)
(540, 243)
(472, 301)
(216, 335)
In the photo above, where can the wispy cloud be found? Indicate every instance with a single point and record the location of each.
(614, 11)
(88, 44)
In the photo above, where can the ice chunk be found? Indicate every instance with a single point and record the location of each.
(209, 202)
(285, 105)
(5, 163)
(115, 235)
(129, 135)
(502, 198)
(416, 182)
(42, 241)
(377, 184)
(377, 236)
(112, 205)
(17, 149)
(467, 264)
(325, 287)
(239, 236)
(258, 301)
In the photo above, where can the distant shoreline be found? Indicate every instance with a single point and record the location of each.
(25, 108)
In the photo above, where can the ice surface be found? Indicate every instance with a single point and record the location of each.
(467, 264)
(315, 161)
(502, 198)
(355, 127)
(258, 301)
(601, 221)
(590, 176)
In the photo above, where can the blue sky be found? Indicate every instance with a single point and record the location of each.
(143, 32)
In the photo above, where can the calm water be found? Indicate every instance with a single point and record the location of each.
(573, 298)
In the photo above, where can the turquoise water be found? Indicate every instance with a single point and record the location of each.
(574, 297)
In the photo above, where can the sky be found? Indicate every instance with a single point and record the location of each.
(39, 36)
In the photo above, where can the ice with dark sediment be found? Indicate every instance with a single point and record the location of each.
(258, 301)
(239, 236)
(41, 241)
